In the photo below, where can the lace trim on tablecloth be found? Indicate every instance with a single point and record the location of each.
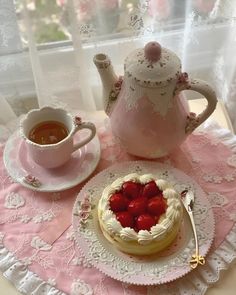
(23, 279)
(195, 283)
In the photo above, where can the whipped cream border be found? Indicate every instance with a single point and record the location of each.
(143, 237)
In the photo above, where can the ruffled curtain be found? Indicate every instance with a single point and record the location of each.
(47, 47)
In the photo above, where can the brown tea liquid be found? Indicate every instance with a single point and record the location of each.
(48, 132)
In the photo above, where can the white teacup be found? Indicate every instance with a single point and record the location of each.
(57, 154)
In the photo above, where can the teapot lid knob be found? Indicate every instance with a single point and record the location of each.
(152, 51)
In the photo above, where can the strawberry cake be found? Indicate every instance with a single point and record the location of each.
(139, 214)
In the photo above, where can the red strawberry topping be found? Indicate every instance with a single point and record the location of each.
(131, 189)
(118, 202)
(138, 206)
(125, 219)
(156, 217)
(145, 222)
(156, 206)
(151, 190)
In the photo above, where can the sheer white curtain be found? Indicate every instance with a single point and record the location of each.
(47, 47)
(9, 44)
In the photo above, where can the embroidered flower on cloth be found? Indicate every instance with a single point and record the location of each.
(81, 261)
(195, 160)
(231, 161)
(25, 218)
(229, 177)
(221, 214)
(217, 179)
(37, 219)
(70, 235)
(213, 178)
(79, 287)
(39, 244)
(215, 141)
(14, 201)
(47, 216)
(232, 216)
(217, 199)
(207, 178)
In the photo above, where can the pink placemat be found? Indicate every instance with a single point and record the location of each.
(37, 248)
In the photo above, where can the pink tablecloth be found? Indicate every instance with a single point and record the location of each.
(40, 258)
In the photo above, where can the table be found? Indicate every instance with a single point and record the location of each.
(226, 284)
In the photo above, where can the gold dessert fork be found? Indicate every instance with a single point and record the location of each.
(188, 201)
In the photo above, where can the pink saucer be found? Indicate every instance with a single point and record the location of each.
(25, 171)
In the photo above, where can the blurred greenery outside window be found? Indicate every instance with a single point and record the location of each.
(105, 19)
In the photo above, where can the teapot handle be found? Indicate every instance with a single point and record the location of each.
(193, 120)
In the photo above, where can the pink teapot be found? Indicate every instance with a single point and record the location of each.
(149, 115)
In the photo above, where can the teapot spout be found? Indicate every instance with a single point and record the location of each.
(109, 78)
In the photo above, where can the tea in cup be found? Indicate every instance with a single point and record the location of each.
(48, 133)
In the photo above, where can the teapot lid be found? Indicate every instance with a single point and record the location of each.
(153, 65)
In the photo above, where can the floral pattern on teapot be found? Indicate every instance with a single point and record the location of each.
(148, 112)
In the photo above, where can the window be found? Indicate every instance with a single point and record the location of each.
(195, 29)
